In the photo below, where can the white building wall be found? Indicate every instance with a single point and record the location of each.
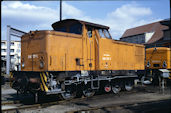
(148, 36)
(15, 52)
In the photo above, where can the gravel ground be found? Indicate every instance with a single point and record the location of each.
(6, 89)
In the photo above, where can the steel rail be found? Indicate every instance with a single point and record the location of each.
(10, 102)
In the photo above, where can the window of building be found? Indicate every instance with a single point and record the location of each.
(2, 57)
(19, 45)
(18, 50)
(12, 56)
(11, 50)
(3, 50)
(3, 43)
(12, 43)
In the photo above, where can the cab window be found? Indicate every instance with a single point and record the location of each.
(89, 32)
(62, 29)
(101, 33)
(104, 33)
(76, 29)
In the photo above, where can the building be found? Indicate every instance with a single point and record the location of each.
(167, 39)
(15, 53)
(151, 35)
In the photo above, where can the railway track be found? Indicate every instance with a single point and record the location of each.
(18, 105)
(15, 106)
(134, 105)
(10, 102)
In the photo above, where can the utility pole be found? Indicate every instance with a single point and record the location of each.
(60, 10)
(8, 60)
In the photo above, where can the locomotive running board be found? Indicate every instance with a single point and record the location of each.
(54, 92)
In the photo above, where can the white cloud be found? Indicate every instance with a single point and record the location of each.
(27, 13)
(41, 17)
(31, 14)
(127, 16)
(71, 11)
(130, 10)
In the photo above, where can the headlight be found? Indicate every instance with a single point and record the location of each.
(41, 64)
(164, 64)
(22, 64)
(148, 64)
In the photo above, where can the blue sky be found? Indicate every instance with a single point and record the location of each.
(118, 15)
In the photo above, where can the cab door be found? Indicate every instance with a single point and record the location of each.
(90, 45)
(106, 49)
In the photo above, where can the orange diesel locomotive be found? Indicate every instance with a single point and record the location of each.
(158, 63)
(75, 58)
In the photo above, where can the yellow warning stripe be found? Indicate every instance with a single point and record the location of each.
(42, 79)
(170, 75)
(11, 75)
(44, 76)
(47, 73)
(41, 86)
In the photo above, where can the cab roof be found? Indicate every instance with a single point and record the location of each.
(59, 23)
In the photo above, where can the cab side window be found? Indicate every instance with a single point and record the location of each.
(104, 33)
(89, 32)
(101, 33)
(61, 29)
(107, 34)
(76, 29)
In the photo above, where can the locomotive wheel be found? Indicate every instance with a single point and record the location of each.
(116, 89)
(88, 92)
(128, 86)
(68, 95)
